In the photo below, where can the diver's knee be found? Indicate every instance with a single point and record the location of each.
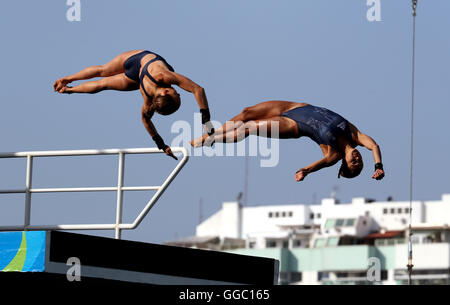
(102, 71)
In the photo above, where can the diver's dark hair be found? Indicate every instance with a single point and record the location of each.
(345, 171)
(166, 104)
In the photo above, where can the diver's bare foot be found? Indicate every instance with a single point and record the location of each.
(197, 142)
(60, 84)
(67, 90)
(205, 140)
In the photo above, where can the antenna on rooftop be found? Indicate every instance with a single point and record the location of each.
(239, 197)
(334, 190)
(200, 211)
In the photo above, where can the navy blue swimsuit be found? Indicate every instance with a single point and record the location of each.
(323, 126)
(133, 65)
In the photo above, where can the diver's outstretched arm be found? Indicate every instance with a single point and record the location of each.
(369, 143)
(328, 160)
(185, 83)
(146, 120)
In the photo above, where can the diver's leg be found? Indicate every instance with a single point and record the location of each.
(259, 111)
(275, 127)
(117, 82)
(113, 67)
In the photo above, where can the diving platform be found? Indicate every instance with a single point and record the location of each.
(54, 255)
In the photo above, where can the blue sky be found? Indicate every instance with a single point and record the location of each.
(242, 52)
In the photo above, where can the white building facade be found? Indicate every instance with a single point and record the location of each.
(337, 243)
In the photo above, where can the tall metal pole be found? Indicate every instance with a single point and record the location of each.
(410, 255)
(246, 181)
(200, 211)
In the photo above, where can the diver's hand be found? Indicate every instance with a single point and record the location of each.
(169, 152)
(378, 175)
(300, 175)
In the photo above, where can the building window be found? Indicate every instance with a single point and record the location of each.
(271, 244)
(290, 214)
(251, 244)
(297, 243)
(283, 214)
(339, 222)
(380, 242)
(392, 211)
(385, 211)
(285, 244)
(333, 241)
(318, 215)
(322, 275)
(399, 210)
(311, 215)
(270, 214)
(407, 210)
(283, 277)
(277, 214)
(330, 223)
(350, 222)
(296, 277)
(320, 242)
(400, 240)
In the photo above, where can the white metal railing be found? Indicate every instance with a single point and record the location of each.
(118, 226)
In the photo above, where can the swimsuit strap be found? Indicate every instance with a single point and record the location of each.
(145, 73)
